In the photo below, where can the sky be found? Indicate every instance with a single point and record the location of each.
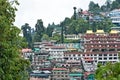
(29, 11)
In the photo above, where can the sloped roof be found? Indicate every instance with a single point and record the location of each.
(113, 32)
(89, 31)
(99, 31)
(59, 69)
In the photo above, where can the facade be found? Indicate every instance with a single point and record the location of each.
(60, 74)
(39, 61)
(57, 53)
(102, 47)
(115, 16)
(40, 75)
(72, 56)
(73, 36)
(27, 53)
(89, 65)
(75, 76)
(70, 46)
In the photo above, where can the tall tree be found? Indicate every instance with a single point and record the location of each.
(50, 29)
(115, 5)
(27, 34)
(40, 30)
(94, 8)
(12, 65)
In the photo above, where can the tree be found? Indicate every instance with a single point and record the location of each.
(50, 29)
(27, 34)
(40, 30)
(115, 5)
(110, 71)
(45, 37)
(94, 8)
(12, 65)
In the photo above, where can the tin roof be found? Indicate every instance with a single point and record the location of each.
(89, 31)
(99, 31)
(113, 31)
(59, 69)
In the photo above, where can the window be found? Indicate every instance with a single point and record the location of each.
(73, 54)
(100, 54)
(95, 54)
(105, 58)
(100, 58)
(110, 58)
(105, 54)
(115, 57)
(110, 54)
(115, 54)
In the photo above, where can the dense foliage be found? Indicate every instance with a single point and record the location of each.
(108, 6)
(109, 71)
(39, 30)
(27, 34)
(12, 66)
(76, 24)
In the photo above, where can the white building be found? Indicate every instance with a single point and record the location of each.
(115, 16)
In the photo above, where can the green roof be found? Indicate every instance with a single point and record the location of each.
(50, 57)
(75, 74)
(36, 49)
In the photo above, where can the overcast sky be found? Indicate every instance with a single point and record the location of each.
(48, 10)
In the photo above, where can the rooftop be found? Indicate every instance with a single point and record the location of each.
(99, 31)
(72, 53)
(89, 31)
(59, 69)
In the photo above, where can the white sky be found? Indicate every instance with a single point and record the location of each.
(48, 10)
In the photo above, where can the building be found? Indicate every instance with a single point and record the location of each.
(57, 53)
(60, 74)
(40, 61)
(40, 75)
(115, 16)
(75, 76)
(27, 53)
(70, 46)
(102, 47)
(88, 64)
(73, 36)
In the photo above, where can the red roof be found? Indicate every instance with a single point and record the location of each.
(59, 69)
(72, 53)
(88, 59)
(85, 12)
(26, 50)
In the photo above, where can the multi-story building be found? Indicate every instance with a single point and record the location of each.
(57, 53)
(60, 74)
(102, 47)
(73, 36)
(39, 60)
(72, 56)
(40, 75)
(27, 53)
(115, 16)
(70, 46)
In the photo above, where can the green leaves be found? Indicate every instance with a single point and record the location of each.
(108, 72)
(11, 63)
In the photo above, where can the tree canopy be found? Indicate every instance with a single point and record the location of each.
(12, 65)
(110, 71)
(39, 29)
